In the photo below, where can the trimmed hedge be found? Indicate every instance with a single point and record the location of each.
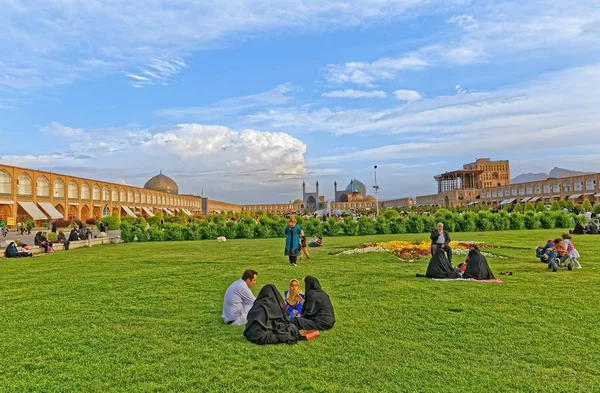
(138, 229)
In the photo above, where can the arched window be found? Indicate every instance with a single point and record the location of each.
(154, 199)
(73, 190)
(590, 184)
(537, 189)
(85, 191)
(59, 189)
(106, 194)
(115, 194)
(123, 197)
(129, 196)
(546, 188)
(5, 183)
(567, 186)
(96, 193)
(24, 185)
(556, 186)
(42, 187)
(137, 197)
(143, 197)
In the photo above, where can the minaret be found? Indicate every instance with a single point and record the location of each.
(318, 195)
(335, 191)
(303, 192)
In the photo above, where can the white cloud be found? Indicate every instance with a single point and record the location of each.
(61, 131)
(349, 93)
(216, 158)
(55, 42)
(408, 95)
(366, 74)
(157, 72)
(491, 32)
(557, 107)
(276, 96)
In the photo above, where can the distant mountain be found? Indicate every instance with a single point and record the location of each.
(527, 177)
(555, 173)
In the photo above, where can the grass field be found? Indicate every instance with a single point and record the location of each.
(146, 318)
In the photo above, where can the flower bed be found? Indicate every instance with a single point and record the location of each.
(411, 251)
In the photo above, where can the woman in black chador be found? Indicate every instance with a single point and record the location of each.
(317, 311)
(268, 322)
(477, 266)
(440, 267)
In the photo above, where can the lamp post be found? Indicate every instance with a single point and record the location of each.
(376, 187)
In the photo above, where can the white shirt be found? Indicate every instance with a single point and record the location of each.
(238, 301)
(441, 239)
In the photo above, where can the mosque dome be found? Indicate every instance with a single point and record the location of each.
(162, 183)
(357, 186)
(297, 202)
(369, 198)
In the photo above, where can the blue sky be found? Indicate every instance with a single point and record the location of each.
(244, 100)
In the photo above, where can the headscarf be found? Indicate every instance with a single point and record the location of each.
(291, 296)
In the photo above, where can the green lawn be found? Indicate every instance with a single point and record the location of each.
(146, 318)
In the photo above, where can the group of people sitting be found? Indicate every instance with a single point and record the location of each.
(273, 319)
(440, 265)
(12, 251)
(42, 241)
(557, 252)
(590, 229)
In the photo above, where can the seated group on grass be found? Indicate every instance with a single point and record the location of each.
(270, 319)
(13, 252)
(590, 229)
(475, 267)
(557, 252)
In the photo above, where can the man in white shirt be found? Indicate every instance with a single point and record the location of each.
(239, 299)
(441, 239)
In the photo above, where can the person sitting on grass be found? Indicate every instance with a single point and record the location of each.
(579, 229)
(12, 252)
(591, 228)
(268, 322)
(440, 238)
(294, 298)
(317, 310)
(440, 267)
(239, 299)
(315, 241)
(477, 265)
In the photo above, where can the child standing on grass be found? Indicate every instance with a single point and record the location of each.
(303, 245)
(573, 254)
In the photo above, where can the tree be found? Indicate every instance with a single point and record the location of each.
(569, 205)
(529, 207)
(506, 207)
(596, 208)
(540, 207)
(518, 208)
(555, 206)
(562, 204)
(587, 206)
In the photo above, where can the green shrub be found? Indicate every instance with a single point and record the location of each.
(501, 221)
(555, 206)
(484, 223)
(561, 220)
(415, 224)
(547, 220)
(391, 214)
(529, 207)
(586, 206)
(506, 207)
(127, 232)
(52, 236)
(383, 226)
(596, 208)
(366, 226)
(540, 208)
(531, 220)
(517, 221)
(398, 225)
(562, 204)
(350, 226)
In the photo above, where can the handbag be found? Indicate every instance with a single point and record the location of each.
(308, 335)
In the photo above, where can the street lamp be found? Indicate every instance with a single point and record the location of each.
(376, 187)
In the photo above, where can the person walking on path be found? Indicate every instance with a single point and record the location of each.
(292, 241)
